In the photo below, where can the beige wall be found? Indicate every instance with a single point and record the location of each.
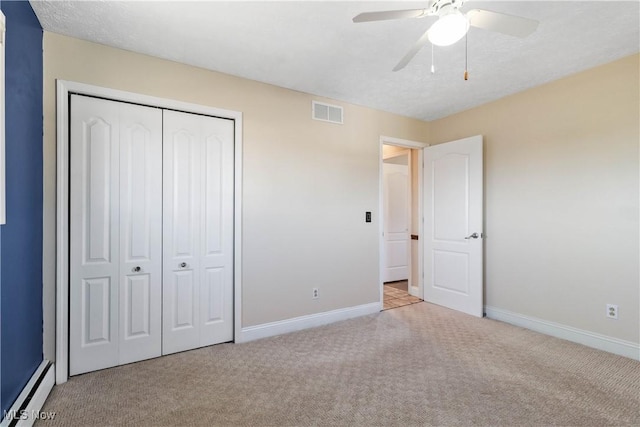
(306, 184)
(561, 188)
(561, 198)
(390, 150)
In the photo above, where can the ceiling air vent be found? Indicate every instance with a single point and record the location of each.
(326, 112)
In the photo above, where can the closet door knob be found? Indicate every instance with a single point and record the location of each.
(136, 269)
(183, 264)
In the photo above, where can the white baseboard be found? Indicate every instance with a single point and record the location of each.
(265, 330)
(590, 339)
(26, 415)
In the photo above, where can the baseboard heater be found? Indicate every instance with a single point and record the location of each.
(27, 407)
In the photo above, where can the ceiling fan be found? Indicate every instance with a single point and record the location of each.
(451, 24)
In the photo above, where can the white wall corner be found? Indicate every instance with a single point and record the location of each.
(590, 339)
(265, 330)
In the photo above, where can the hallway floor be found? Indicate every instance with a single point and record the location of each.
(396, 295)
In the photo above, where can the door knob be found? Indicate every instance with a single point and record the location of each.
(136, 269)
(183, 264)
(473, 236)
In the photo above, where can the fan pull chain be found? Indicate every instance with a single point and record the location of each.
(433, 67)
(466, 57)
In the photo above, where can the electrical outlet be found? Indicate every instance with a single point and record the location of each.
(315, 293)
(612, 311)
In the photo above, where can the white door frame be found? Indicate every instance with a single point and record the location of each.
(64, 88)
(405, 143)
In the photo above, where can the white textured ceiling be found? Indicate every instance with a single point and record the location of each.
(314, 47)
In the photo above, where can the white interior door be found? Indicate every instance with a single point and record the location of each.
(197, 231)
(396, 218)
(140, 233)
(94, 235)
(453, 248)
(216, 225)
(115, 208)
(181, 231)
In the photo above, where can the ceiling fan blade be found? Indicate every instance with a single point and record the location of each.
(409, 56)
(389, 14)
(502, 23)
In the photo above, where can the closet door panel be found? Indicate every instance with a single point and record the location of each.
(94, 233)
(216, 306)
(183, 288)
(140, 232)
(181, 230)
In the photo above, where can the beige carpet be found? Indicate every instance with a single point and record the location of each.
(416, 365)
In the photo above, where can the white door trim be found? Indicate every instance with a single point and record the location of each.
(64, 88)
(389, 140)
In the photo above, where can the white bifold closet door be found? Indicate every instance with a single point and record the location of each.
(115, 233)
(197, 231)
(151, 232)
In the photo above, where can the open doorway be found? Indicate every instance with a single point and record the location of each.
(400, 253)
(446, 217)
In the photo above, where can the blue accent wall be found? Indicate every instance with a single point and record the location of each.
(21, 236)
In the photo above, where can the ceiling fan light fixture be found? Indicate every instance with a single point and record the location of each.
(448, 29)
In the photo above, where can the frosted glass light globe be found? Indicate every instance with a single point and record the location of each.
(448, 29)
